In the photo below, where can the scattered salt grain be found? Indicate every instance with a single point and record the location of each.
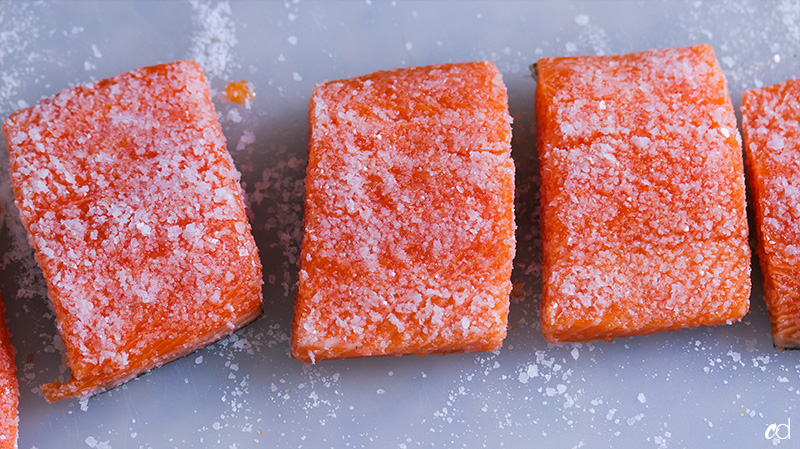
(582, 19)
(95, 444)
(248, 137)
(234, 116)
(728, 61)
(641, 398)
(213, 43)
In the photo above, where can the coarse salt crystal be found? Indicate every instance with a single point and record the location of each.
(144, 229)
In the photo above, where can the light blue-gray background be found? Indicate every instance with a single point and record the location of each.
(708, 387)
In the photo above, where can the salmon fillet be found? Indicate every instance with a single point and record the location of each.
(133, 206)
(644, 223)
(409, 220)
(772, 141)
(9, 388)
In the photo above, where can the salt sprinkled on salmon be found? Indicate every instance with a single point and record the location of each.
(132, 203)
(772, 142)
(643, 200)
(409, 225)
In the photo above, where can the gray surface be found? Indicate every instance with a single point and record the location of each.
(707, 387)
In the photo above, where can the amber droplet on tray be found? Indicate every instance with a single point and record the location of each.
(239, 92)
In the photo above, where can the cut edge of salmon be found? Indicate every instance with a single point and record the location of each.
(775, 266)
(314, 355)
(782, 342)
(83, 388)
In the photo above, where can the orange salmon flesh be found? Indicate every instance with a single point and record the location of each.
(409, 219)
(132, 204)
(772, 142)
(644, 224)
(9, 388)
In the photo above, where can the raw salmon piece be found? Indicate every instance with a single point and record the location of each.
(9, 389)
(409, 220)
(643, 199)
(772, 141)
(132, 204)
